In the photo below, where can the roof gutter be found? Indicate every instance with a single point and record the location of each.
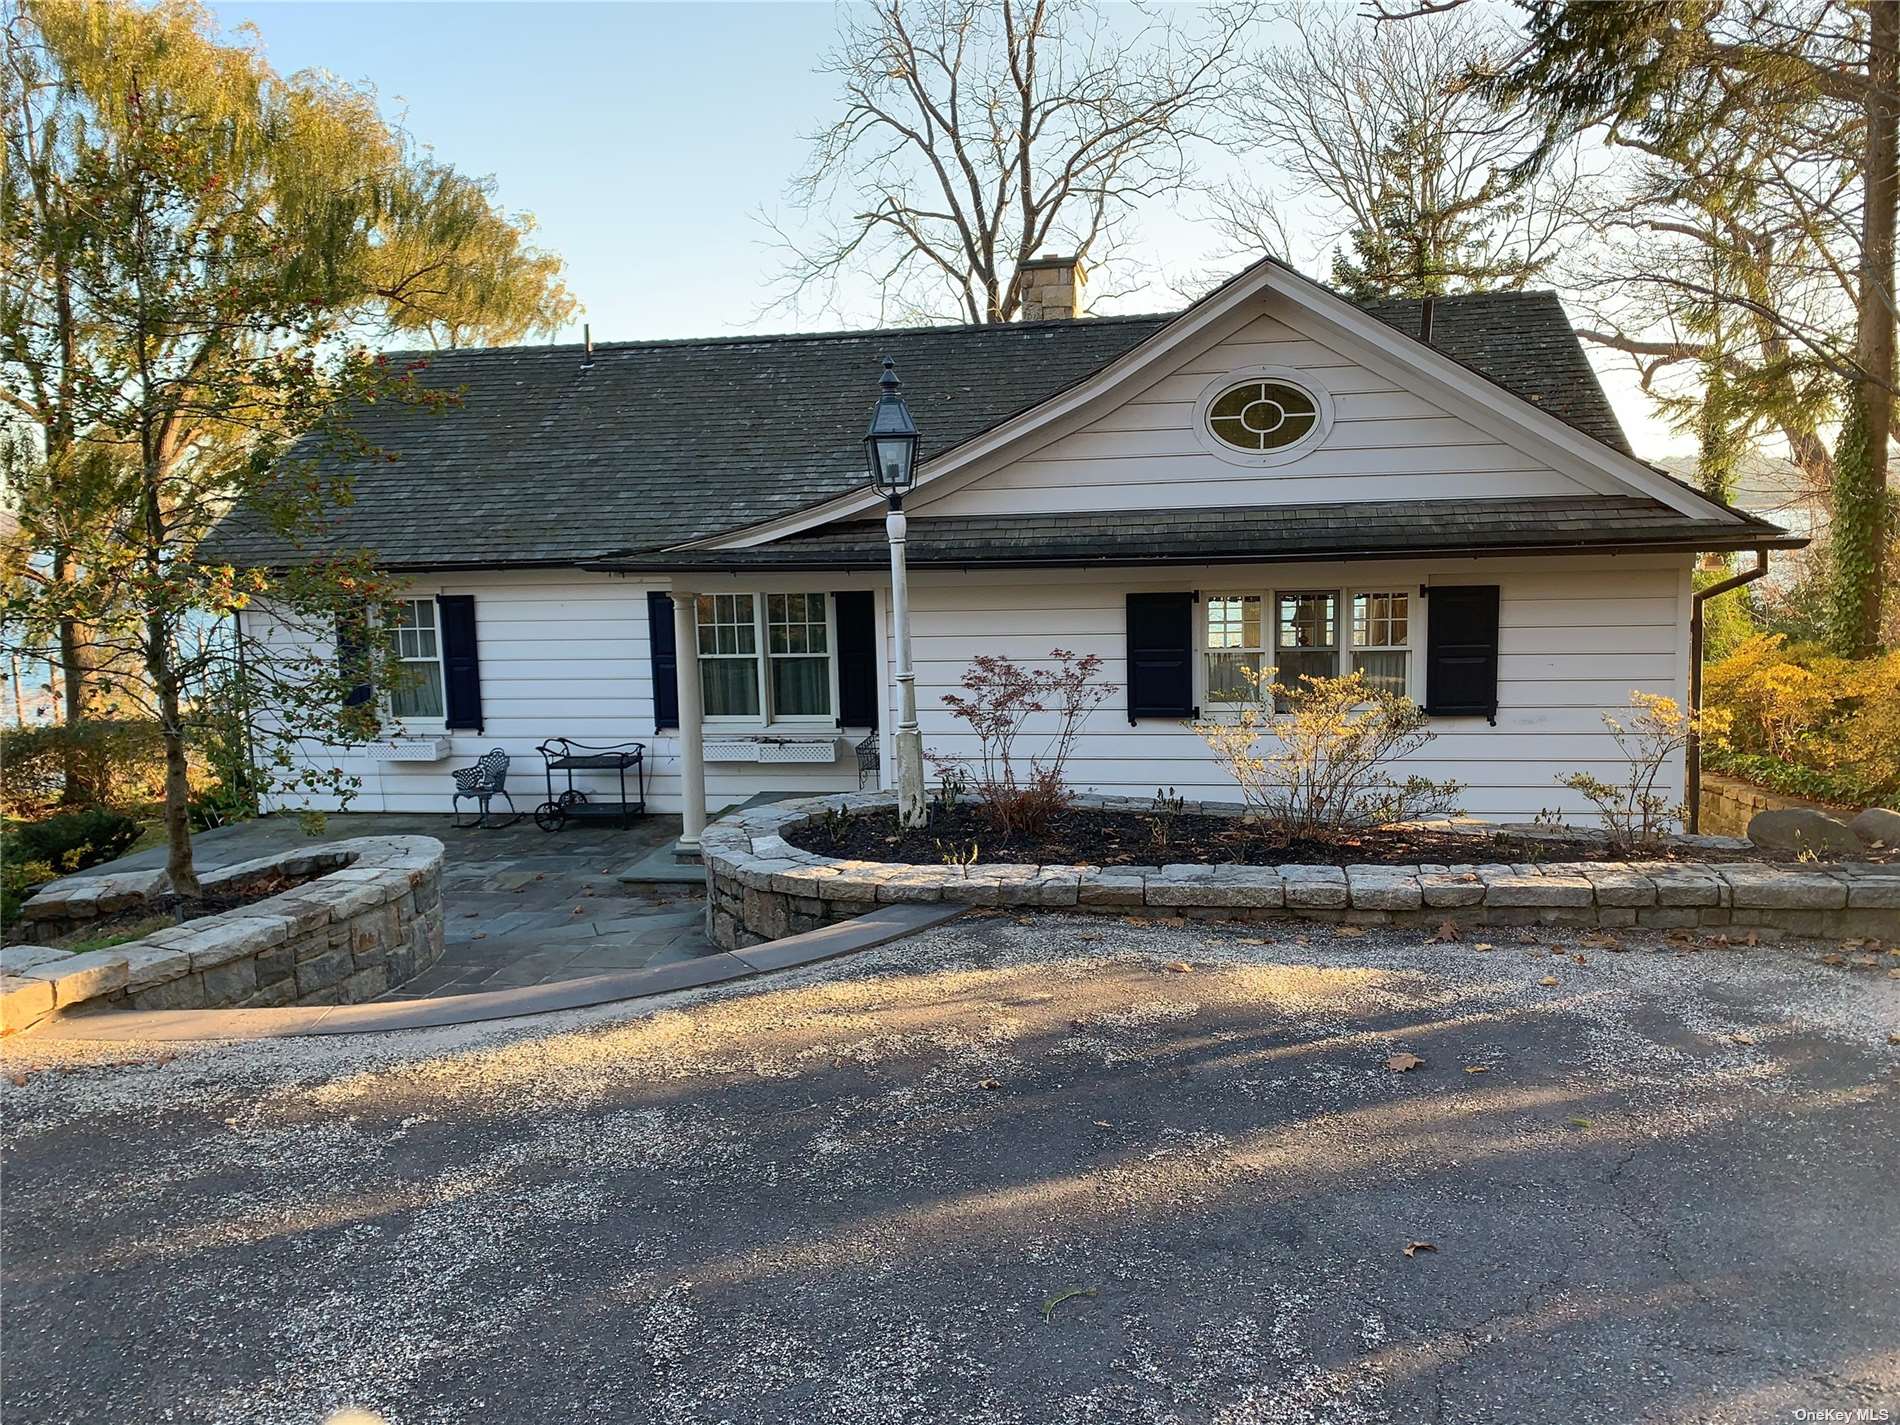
(1692, 758)
(870, 561)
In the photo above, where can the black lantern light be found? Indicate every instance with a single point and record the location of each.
(890, 445)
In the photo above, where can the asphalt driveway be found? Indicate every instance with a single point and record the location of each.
(1056, 1171)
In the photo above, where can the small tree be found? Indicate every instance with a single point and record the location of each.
(998, 700)
(1634, 812)
(196, 253)
(1326, 767)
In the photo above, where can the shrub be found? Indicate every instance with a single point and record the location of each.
(998, 700)
(75, 840)
(1633, 811)
(1804, 721)
(1327, 770)
(118, 764)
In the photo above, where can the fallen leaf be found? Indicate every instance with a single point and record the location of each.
(1254, 940)
(1403, 1063)
(1049, 1306)
(1581, 1123)
(1558, 951)
(1349, 932)
(1548, 980)
(578, 910)
(1447, 930)
(479, 935)
(1173, 922)
(1134, 920)
(1412, 1249)
(20, 1080)
(1178, 967)
(540, 875)
(989, 1083)
(1477, 1069)
(1484, 945)
(1751, 939)
(1103, 1123)
(1833, 959)
(1893, 1038)
(1580, 960)
(1742, 1037)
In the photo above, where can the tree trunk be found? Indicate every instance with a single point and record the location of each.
(1860, 481)
(73, 789)
(178, 860)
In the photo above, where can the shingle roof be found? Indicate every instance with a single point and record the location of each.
(1281, 532)
(543, 460)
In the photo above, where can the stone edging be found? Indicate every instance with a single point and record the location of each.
(760, 887)
(371, 920)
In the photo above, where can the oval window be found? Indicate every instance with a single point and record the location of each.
(1258, 416)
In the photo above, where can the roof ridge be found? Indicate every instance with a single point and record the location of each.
(763, 338)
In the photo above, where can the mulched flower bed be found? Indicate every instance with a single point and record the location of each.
(176, 910)
(1085, 836)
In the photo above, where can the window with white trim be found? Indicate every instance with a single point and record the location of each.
(1305, 637)
(1300, 633)
(767, 659)
(798, 644)
(1234, 647)
(417, 696)
(1381, 639)
(729, 655)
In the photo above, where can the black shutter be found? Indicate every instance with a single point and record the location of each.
(1461, 654)
(666, 661)
(461, 667)
(857, 658)
(352, 649)
(1161, 656)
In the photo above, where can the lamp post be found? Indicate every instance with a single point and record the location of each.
(890, 449)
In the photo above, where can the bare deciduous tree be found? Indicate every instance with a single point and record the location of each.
(1372, 128)
(979, 133)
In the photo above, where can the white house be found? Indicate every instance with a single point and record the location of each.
(1438, 493)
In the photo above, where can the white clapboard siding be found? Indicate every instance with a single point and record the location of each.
(1147, 453)
(1577, 635)
(562, 655)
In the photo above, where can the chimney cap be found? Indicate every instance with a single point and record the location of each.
(1049, 260)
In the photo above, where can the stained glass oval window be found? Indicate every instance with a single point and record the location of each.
(1259, 416)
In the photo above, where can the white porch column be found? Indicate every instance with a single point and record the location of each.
(692, 743)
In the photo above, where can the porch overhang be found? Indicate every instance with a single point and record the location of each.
(1371, 530)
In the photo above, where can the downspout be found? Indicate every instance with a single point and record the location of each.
(1693, 753)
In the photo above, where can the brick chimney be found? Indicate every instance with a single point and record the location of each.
(1052, 288)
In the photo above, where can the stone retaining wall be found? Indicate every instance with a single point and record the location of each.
(1729, 804)
(759, 887)
(371, 920)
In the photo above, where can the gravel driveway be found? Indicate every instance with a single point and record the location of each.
(1054, 1171)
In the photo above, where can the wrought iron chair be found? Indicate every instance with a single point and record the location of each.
(869, 757)
(481, 784)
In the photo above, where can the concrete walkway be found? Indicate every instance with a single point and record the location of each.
(520, 906)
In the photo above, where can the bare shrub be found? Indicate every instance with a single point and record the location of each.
(1634, 812)
(1323, 768)
(1019, 796)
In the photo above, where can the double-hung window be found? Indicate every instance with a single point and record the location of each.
(417, 695)
(1234, 647)
(1305, 633)
(766, 658)
(1381, 636)
(729, 654)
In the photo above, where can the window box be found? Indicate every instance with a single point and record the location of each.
(408, 749)
(811, 750)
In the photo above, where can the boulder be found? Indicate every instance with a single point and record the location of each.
(1799, 829)
(1878, 824)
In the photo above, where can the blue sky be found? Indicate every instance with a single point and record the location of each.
(643, 138)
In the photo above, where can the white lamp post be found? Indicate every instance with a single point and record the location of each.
(890, 449)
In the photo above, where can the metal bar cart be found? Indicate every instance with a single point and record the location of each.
(563, 754)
